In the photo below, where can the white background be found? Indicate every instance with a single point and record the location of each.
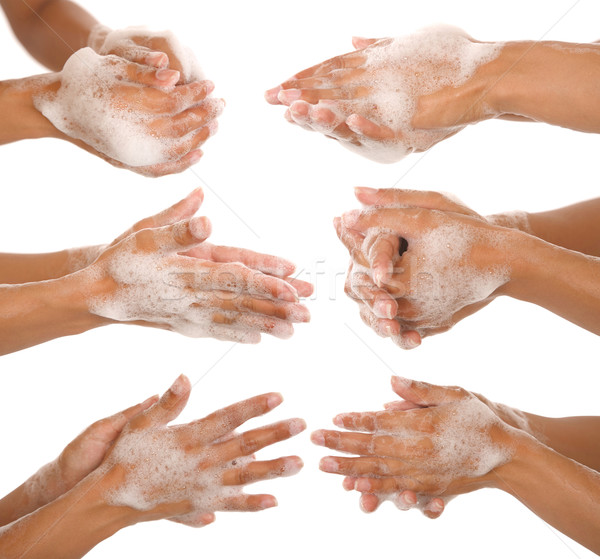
(275, 188)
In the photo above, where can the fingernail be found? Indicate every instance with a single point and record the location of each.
(410, 342)
(271, 95)
(349, 483)
(436, 506)
(389, 330)
(200, 227)
(365, 192)
(167, 75)
(213, 126)
(195, 156)
(338, 420)
(268, 501)
(384, 309)
(274, 400)
(289, 95)
(289, 294)
(180, 386)
(409, 499)
(158, 59)
(210, 87)
(398, 380)
(329, 464)
(292, 465)
(317, 438)
(350, 218)
(297, 426)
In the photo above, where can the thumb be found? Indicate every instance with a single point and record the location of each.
(167, 408)
(362, 42)
(178, 237)
(382, 249)
(184, 209)
(425, 394)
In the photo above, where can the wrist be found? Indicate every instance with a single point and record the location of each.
(20, 118)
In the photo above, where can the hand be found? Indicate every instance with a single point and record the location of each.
(158, 49)
(133, 116)
(436, 443)
(160, 273)
(81, 456)
(392, 96)
(188, 472)
(452, 262)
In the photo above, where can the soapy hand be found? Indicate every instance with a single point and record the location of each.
(188, 472)
(132, 115)
(390, 97)
(161, 273)
(437, 442)
(421, 262)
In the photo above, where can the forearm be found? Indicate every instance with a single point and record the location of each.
(557, 83)
(557, 489)
(575, 227)
(577, 438)
(34, 313)
(19, 119)
(564, 282)
(51, 30)
(26, 268)
(68, 527)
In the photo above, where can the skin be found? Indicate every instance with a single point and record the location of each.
(47, 296)
(52, 30)
(70, 522)
(533, 249)
(542, 453)
(543, 81)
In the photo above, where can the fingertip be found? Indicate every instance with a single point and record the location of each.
(157, 59)
(273, 400)
(194, 156)
(149, 402)
(411, 339)
(200, 227)
(181, 386)
(268, 501)
(297, 426)
(338, 420)
(271, 95)
(208, 518)
(348, 483)
(317, 437)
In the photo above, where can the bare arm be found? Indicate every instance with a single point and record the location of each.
(51, 30)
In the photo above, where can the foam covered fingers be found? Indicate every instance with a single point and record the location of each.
(262, 471)
(252, 441)
(425, 394)
(382, 250)
(167, 408)
(175, 237)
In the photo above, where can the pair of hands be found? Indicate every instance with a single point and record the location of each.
(154, 82)
(215, 462)
(162, 273)
(421, 261)
(435, 443)
(391, 97)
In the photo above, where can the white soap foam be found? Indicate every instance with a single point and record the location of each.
(88, 107)
(155, 289)
(160, 470)
(114, 41)
(461, 448)
(397, 72)
(442, 281)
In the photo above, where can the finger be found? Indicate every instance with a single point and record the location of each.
(401, 405)
(175, 237)
(184, 209)
(304, 288)
(313, 96)
(266, 263)
(195, 520)
(176, 100)
(425, 394)
(190, 119)
(249, 503)
(367, 128)
(267, 325)
(225, 420)
(352, 240)
(140, 54)
(224, 333)
(406, 222)
(369, 502)
(193, 141)
(292, 312)
(382, 250)
(261, 471)
(381, 326)
(350, 60)
(434, 508)
(252, 441)
(387, 421)
(237, 278)
(352, 443)
(167, 408)
(142, 74)
(414, 198)
(367, 466)
(362, 43)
